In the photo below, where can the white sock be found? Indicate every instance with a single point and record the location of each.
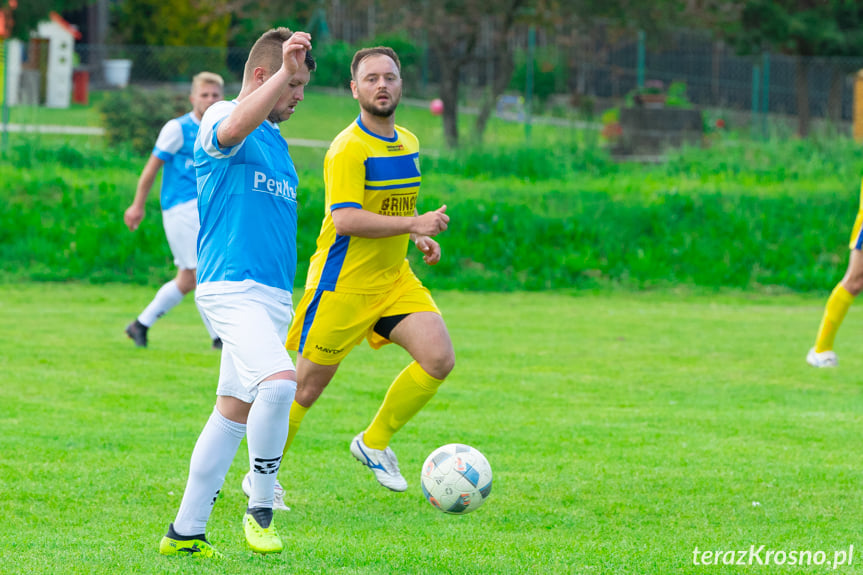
(214, 451)
(266, 434)
(168, 296)
(210, 330)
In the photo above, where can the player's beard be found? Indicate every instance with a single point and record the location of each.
(381, 111)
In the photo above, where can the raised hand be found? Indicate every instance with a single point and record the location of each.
(294, 51)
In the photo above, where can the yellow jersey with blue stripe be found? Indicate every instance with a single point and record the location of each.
(377, 174)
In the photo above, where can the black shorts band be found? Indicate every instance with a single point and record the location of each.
(385, 325)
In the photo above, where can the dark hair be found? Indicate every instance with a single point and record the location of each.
(376, 51)
(267, 52)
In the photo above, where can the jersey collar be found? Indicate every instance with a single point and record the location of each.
(372, 134)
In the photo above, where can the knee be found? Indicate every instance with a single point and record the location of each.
(440, 365)
(278, 391)
(309, 392)
(186, 281)
(853, 284)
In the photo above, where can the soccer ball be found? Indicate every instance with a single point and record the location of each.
(456, 478)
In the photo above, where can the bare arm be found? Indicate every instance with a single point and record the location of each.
(135, 213)
(364, 224)
(254, 107)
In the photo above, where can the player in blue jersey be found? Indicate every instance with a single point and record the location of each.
(247, 200)
(179, 200)
(359, 284)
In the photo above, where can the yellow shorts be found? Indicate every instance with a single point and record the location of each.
(856, 241)
(327, 325)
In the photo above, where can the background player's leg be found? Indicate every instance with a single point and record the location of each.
(425, 337)
(838, 303)
(312, 379)
(168, 296)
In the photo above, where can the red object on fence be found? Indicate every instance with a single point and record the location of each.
(80, 86)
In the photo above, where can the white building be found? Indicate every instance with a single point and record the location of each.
(45, 77)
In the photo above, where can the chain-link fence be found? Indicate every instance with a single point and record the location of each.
(564, 71)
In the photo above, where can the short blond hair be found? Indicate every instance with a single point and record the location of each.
(207, 78)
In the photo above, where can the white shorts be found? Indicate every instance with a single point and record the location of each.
(181, 228)
(253, 327)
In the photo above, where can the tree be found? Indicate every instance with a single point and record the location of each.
(801, 28)
(502, 67)
(174, 22)
(453, 31)
(653, 17)
(583, 19)
(849, 17)
(28, 13)
(251, 19)
(452, 28)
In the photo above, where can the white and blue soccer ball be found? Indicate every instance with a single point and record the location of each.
(456, 478)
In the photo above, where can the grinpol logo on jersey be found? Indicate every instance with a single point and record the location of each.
(399, 205)
(273, 186)
(395, 147)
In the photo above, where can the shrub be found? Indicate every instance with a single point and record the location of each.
(134, 117)
(333, 61)
(677, 96)
(410, 57)
(549, 76)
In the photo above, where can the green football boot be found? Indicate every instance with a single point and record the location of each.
(260, 532)
(194, 545)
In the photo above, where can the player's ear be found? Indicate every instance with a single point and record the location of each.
(354, 90)
(260, 75)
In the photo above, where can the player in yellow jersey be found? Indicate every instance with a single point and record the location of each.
(360, 285)
(822, 355)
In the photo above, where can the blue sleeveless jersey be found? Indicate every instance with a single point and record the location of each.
(247, 203)
(175, 146)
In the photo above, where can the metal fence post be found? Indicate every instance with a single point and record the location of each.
(756, 91)
(528, 97)
(765, 94)
(640, 60)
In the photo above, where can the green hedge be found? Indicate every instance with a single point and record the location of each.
(63, 209)
(135, 117)
(710, 241)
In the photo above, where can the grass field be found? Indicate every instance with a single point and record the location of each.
(625, 430)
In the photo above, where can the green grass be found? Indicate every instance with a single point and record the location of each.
(759, 225)
(557, 213)
(624, 430)
(74, 115)
(322, 115)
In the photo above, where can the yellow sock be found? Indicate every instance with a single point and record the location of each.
(410, 391)
(298, 412)
(837, 306)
